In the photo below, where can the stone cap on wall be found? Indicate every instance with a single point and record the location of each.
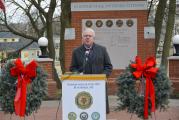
(44, 59)
(173, 58)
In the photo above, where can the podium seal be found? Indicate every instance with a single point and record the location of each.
(95, 116)
(84, 116)
(71, 116)
(83, 100)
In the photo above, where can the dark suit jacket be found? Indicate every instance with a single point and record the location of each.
(99, 60)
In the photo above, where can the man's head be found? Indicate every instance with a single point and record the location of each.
(88, 37)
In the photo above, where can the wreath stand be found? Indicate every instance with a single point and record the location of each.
(143, 88)
(27, 81)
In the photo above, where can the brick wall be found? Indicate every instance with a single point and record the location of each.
(141, 15)
(47, 65)
(174, 73)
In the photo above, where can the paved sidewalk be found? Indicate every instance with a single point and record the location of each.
(48, 111)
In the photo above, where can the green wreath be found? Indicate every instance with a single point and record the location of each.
(132, 100)
(36, 90)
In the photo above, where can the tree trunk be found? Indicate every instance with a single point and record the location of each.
(159, 16)
(52, 50)
(50, 39)
(169, 33)
(65, 23)
(62, 54)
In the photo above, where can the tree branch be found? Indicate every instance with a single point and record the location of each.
(27, 12)
(149, 9)
(37, 5)
(16, 32)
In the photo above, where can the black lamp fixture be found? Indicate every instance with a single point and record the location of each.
(176, 45)
(43, 43)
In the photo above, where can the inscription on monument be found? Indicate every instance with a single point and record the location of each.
(106, 6)
(119, 36)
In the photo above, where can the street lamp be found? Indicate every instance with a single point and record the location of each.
(43, 43)
(176, 45)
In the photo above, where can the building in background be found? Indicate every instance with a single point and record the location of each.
(10, 43)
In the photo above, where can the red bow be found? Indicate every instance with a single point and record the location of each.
(149, 71)
(24, 75)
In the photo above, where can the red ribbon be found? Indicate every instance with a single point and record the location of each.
(149, 71)
(24, 75)
(2, 6)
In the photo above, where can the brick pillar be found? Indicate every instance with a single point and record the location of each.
(47, 65)
(174, 73)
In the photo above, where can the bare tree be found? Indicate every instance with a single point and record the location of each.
(165, 15)
(40, 18)
(159, 16)
(169, 32)
(65, 23)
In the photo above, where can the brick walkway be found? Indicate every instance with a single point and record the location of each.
(48, 111)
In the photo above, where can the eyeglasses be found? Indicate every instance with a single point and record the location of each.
(87, 36)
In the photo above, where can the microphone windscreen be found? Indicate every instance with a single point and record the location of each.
(86, 52)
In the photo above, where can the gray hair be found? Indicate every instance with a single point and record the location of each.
(89, 30)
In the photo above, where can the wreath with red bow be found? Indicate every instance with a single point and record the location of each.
(143, 88)
(22, 87)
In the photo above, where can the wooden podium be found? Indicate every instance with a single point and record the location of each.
(83, 97)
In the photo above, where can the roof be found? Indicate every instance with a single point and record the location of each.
(13, 46)
(8, 35)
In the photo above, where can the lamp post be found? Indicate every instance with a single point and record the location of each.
(43, 43)
(176, 45)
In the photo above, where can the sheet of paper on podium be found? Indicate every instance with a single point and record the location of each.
(83, 97)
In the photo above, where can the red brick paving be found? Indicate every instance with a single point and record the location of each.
(48, 111)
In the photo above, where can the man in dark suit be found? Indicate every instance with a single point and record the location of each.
(91, 58)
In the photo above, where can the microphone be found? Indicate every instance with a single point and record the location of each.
(87, 52)
(86, 60)
(86, 55)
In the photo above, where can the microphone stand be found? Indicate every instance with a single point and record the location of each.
(85, 60)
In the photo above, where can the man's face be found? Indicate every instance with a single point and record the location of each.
(88, 38)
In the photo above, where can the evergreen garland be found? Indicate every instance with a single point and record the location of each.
(130, 99)
(36, 90)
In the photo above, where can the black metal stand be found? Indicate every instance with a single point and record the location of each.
(44, 52)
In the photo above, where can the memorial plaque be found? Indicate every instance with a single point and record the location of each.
(69, 33)
(119, 36)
